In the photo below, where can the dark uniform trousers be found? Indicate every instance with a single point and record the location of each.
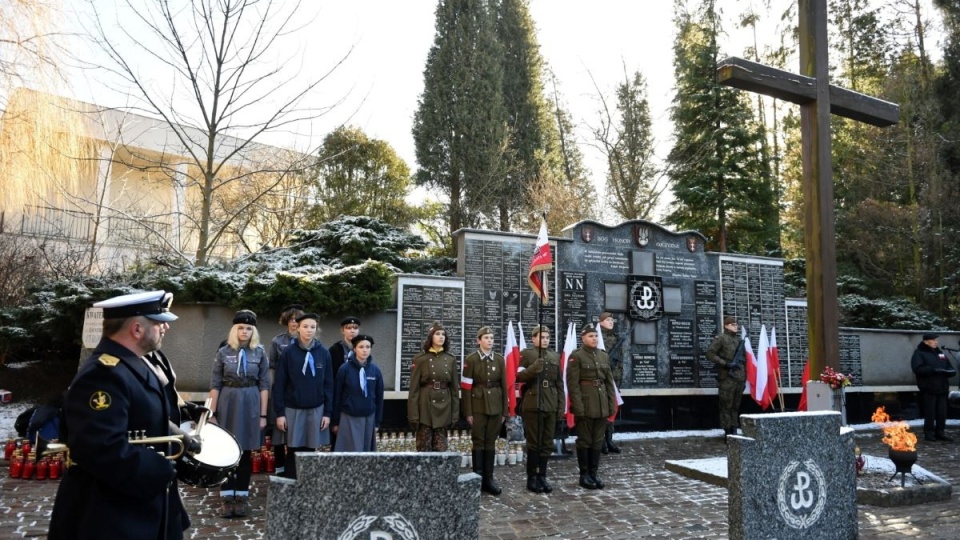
(485, 430)
(538, 428)
(590, 432)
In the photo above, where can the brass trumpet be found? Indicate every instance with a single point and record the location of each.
(177, 439)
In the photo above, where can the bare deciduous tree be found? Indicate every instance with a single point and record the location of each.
(215, 75)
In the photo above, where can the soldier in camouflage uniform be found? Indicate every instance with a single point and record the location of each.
(731, 375)
(614, 347)
(592, 401)
(543, 403)
(433, 405)
(484, 401)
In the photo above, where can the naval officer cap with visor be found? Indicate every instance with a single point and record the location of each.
(154, 305)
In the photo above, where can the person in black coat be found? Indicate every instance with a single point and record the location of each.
(933, 372)
(113, 488)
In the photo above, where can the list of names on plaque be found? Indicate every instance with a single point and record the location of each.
(496, 290)
(682, 369)
(643, 370)
(708, 324)
(851, 363)
(420, 306)
(680, 334)
(850, 358)
(573, 299)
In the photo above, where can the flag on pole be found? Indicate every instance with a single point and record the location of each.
(569, 345)
(759, 384)
(773, 367)
(511, 356)
(540, 263)
(616, 391)
(466, 383)
(750, 360)
(803, 382)
(518, 387)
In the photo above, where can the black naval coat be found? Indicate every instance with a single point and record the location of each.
(116, 489)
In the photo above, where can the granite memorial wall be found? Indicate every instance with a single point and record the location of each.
(666, 293)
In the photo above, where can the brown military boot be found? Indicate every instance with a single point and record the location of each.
(241, 506)
(226, 506)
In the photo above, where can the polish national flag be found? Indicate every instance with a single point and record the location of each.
(751, 361)
(602, 347)
(759, 384)
(511, 356)
(773, 367)
(540, 263)
(569, 345)
(518, 387)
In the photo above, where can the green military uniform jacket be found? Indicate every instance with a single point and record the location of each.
(721, 352)
(611, 341)
(590, 383)
(489, 393)
(543, 380)
(434, 398)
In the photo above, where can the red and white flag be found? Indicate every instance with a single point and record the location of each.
(466, 383)
(803, 382)
(759, 383)
(511, 356)
(518, 387)
(540, 263)
(616, 391)
(569, 345)
(773, 367)
(751, 361)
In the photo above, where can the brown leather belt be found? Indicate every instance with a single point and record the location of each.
(437, 385)
(492, 384)
(592, 382)
(240, 384)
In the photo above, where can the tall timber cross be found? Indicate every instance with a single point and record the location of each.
(817, 99)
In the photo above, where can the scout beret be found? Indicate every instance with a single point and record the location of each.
(361, 337)
(349, 320)
(245, 316)
(308, 316)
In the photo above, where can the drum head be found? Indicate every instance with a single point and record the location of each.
(219, 448)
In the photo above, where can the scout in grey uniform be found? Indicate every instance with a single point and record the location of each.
(288, 318)
(543, 403)
(726, 351)
(592, 401)
(484, 400)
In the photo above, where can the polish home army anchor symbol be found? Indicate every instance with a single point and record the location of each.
(400, 526)
(817, 99)
(646, 298)
(801, 494)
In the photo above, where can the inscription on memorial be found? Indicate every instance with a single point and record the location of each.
(573, 299)
(798, 350)
(643, 370)
(680, 334)
(682, 369)
(677, 266)
(421, 303)
(707, 325)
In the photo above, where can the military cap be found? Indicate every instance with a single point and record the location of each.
(349, 320)
(605, 315)
(245, 316)
(484, 330)
(153, 305)
(729, 319)
(538, 329)
(587, 329)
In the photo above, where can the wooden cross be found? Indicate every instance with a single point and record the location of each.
(817, 99)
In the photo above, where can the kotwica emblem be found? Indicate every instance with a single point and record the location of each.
(366, 527)
(801, 494)
(646, 298)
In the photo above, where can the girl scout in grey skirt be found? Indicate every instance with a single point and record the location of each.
(303, 392)
(357, 399)
(239, 399)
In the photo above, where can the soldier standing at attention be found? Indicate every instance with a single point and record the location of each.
(592, 400)
(433, 405)
(614, 346)
(484, 400)
(727, 352)
(542, 404)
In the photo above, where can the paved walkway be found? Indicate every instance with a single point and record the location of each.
(642, 500)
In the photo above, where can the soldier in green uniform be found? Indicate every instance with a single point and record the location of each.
(613, 344)
(543, 402)
(484, 399)
(592, 400)
(434, 403)
(727, 352)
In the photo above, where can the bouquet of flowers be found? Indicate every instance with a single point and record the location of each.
(835, 379)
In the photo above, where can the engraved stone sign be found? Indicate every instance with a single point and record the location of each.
(347, 496)
(791, 475)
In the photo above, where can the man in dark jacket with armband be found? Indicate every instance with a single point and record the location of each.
(933, 372)
(727, 352)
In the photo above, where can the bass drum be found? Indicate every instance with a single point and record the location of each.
(218, 457)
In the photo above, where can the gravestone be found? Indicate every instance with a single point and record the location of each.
(346, 496)
(792, 475)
